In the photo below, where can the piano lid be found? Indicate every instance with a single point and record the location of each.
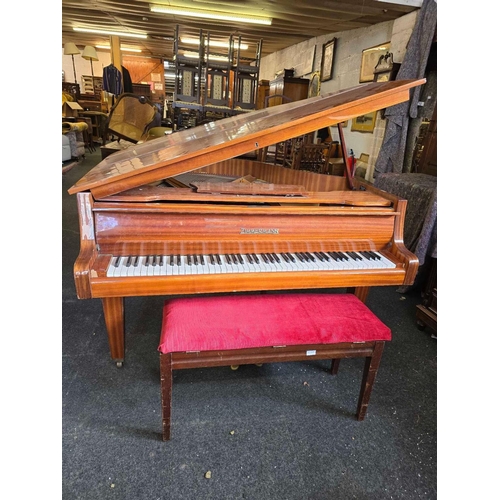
(200, 146)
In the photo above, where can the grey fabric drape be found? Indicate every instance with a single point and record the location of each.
(392, 151)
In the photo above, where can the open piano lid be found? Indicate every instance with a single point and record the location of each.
(223, 139)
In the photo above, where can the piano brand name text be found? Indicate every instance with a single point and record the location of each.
(245, 230)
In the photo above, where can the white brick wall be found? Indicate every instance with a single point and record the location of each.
(346, 68)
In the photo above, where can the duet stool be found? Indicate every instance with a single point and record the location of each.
(255, 329)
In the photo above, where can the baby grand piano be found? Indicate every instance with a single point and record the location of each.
(146, 230)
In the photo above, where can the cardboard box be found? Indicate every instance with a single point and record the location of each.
(71, 109)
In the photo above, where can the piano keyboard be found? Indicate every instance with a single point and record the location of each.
(182, 265)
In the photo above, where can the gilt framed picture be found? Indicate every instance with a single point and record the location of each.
(327, 60)
(364, 123)
(369, 59)
(314, 85)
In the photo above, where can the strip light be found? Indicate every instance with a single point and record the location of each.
(213, 43)
(195, 55)
(123, 34)
(123, 49)
(209, 14)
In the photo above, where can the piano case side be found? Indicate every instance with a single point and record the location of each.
(88, 249)
(398, 248)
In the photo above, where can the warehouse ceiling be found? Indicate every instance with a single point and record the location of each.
(292, 21)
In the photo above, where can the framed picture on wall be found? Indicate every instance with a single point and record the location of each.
(369, 59)
(314, 85)
(327, 60)
(364, 123)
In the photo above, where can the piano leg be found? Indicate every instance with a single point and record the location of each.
(361, 292)
(114, 318)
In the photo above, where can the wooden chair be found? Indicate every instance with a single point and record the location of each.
(313, 157)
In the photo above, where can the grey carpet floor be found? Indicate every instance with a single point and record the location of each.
(280, 431)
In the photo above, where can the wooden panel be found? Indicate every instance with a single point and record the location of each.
(143, 70)
(295, 89)
(230, 231)
(228, 283)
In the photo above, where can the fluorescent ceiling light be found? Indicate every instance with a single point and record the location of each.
(123, 49)
(213, 43)
(123, 34)
(209, 14)
(195, 55)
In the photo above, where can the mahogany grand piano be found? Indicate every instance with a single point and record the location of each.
(153, 221)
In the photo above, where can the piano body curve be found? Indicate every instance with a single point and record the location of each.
(144, 233)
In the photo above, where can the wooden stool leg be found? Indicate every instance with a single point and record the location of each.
(166, 392)
(335, 366)
(371, 366)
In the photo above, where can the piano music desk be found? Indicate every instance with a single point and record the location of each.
(253, 329)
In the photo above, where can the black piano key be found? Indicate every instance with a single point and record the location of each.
(375, 256)
(291, 257)
(116, 262)
(129, 260)
(212, 259)
(219, 261)
(234, 258)
(178, 260)
(300, 256)
(266, 260)
(240, 258)
(354, 256)
(255, 258)
(171, 260)
(228, 258)
(285, 257)
(311, 257)
(202, 260)
(146, 264)
(276, 257)
(155, 260)
(270, 257)
(160, 260)
(250, 258)
(343, 256)
(325, 256)
(136, 261)
(320, 257)
(188, 259)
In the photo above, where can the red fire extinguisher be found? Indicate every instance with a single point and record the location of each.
(351, 162)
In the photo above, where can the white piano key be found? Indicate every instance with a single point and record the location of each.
(118, 268)
(387, 263)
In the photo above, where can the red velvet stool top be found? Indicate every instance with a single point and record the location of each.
(246, 321)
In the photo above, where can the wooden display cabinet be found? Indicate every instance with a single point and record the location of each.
(295, 89)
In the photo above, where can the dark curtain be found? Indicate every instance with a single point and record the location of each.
(392, 151)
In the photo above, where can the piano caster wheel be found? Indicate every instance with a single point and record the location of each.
(119, 364)
(258, 364)
(234, 367)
